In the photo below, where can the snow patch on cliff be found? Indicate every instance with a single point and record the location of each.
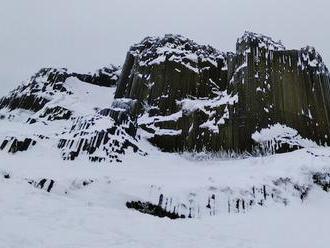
(278, 134)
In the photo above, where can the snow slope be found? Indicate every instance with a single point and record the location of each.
(96, 216)
(49, 200)
(55, 108)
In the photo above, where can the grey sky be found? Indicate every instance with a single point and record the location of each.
(87, 34)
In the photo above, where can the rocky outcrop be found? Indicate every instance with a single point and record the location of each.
(99, 142)
(45, 84)
(323, 180)
(66, 110)
(189, 97)
(275, 85)
(177, 86)
(106, 76)
(152, 209)
(14, 145)
(50, 185)
(214, 200)
(45, 184)
(182, 96)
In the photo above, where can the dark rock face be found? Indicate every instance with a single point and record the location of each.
(14, 145)
(185, 97)
(47, 82)
(275, 85)
(220, 200)
(151, 209)
(177, 85)
(48, 97)
(56, 113)
(323, 180)
(50, 185)
(106, 77)
(107, 143)
(45, 184)
(191, 97)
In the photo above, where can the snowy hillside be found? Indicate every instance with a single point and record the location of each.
(130, 157)
(86, 205)
(57, 109)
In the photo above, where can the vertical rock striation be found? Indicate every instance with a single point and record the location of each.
(191, 97)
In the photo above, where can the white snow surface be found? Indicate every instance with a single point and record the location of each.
(72, 216)
(96, 216)
(175, 48)
(85, 101)
(263, 41)
(281, 134)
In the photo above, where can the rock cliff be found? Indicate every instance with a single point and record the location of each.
(67, 110)
(189, 97)
(181, 96)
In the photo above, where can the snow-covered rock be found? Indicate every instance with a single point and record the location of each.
(181, 96)
(191, 97)
(67, 110)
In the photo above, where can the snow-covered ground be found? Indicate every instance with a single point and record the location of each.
(96, 215)
(266, 202)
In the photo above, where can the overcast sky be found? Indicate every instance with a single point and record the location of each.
(87, 34)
